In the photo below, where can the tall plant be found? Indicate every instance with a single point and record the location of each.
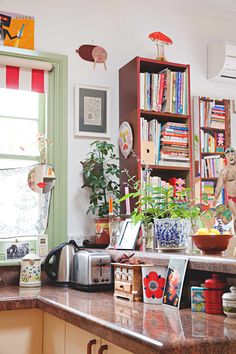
(101, 174)
(159, 202)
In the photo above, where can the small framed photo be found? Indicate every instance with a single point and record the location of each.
(14, 248)
(174, 281)
(128, 235)
(92, 111)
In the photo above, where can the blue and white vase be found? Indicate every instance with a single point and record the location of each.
(172, 233)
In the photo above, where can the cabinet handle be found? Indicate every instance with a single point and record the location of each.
(102, 348)
(90, 344)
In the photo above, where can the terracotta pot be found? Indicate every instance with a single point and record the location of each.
(102, 231)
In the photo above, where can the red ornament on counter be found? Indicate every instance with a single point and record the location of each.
(214, 290)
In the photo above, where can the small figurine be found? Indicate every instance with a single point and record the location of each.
(161, 40)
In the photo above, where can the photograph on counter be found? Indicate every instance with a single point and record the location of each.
(174, 281)
(17, 250)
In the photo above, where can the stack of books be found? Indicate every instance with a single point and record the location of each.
(174, 150)
(212, 113)
(217, 118)
(208, 188)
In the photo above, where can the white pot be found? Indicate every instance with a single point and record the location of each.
(229, 302)
(153, 282)
(30, 273)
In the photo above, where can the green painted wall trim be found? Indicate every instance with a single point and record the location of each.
(57, 133)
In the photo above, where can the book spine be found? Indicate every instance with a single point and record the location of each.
(141, 86)
(160, 93)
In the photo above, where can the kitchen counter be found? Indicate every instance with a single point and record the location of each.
(138, 327)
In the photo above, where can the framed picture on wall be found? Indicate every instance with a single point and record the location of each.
(92, 106)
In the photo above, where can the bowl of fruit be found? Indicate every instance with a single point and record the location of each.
(211, 241)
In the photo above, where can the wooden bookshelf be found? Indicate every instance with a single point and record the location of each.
(213, 120)
(131, 111)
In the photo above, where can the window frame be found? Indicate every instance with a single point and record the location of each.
(57, 112)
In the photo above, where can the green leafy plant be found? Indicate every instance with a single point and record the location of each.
(158, 202)
(101, 174)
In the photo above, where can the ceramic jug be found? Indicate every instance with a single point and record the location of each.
(30, 274)
(229, 302)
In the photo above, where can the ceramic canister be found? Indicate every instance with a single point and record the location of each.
(153, 281)
(30, 274)
(215, 287)
(229, 302)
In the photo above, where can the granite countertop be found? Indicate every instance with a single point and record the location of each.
(138, 327)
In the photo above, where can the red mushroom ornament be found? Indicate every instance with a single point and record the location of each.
(161, 40)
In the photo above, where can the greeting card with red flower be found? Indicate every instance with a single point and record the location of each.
(153, 283)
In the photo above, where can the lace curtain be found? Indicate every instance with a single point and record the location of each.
(23, 212)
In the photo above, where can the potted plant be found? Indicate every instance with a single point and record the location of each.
(172, 213)
(101, 175)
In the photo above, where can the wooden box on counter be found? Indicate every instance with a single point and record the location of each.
(128, 281)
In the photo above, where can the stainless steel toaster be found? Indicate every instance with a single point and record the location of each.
(92, 271)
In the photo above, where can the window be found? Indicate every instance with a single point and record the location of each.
(30, 121)
(22, 118)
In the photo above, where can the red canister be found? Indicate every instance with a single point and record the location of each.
(214, 290)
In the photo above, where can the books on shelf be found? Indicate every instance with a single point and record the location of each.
(170, 142)
(157, 181)
(151, 131)
(166, 91)
(174, 163)
(212, 141)
(208, 192)
(174, 149)
(211, 166)
(212, 113)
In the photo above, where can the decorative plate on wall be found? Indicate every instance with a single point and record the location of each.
(125, 139)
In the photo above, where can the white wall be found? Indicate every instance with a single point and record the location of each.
(121, 27)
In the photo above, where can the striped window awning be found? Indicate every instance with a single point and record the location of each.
(21, 74)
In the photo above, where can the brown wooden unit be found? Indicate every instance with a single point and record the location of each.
(129, 106)
(128, 281)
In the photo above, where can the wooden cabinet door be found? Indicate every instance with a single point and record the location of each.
(21, 331)
(53, 335)
(77, 341)
(114, 349)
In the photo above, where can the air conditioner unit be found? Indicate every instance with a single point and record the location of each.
(221, 62)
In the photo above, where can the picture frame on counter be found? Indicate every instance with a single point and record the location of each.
(14, 248)
(92, 111)
(174, 282)
(128, 235)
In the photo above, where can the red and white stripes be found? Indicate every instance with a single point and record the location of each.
(14, 77)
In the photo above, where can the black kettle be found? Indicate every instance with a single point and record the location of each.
(58, 262)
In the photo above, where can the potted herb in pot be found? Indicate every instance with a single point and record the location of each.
(172, 214)
(101, 175)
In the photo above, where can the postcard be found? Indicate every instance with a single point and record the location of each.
(174, 281)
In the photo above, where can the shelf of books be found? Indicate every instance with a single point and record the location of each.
(155, 101)
(213, 124)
